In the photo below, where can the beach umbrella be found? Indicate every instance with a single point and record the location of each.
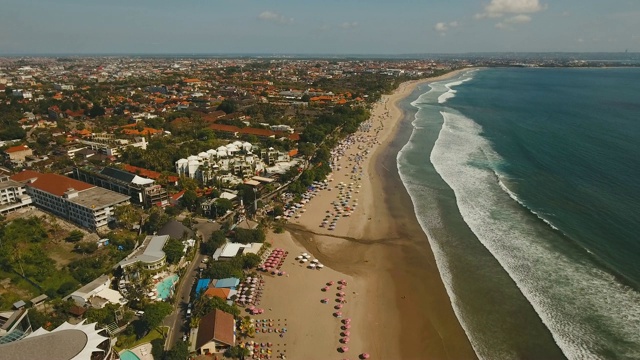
(345, 339)
(304, 260)
(347, 326)
(305, 254)
(347, 320)
(325, 288)
(307, 257)
(325, 300)
(338, 313)
(315, 261)
(344, 348)
(340, 287)
(319, 266)
(339, 306)
(342, 281)
(346, 333)
(365, 355)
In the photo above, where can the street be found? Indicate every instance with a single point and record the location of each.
(177, 321)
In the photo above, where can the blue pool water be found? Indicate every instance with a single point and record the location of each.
(128, 355)
(164, 287)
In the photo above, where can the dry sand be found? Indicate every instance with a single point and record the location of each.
(401, 310)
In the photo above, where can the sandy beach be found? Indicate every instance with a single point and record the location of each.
(396, 301)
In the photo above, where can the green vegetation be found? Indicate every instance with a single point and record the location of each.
(246, 236)
(154, 314)
(174, 250)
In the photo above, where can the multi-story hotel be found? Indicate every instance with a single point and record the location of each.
(87, 205)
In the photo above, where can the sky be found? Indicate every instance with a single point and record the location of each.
(317, 27)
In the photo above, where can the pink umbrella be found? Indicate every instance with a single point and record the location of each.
(344, 348)
(330, 282)
(340, 287)
(347, 320)
(342, 281)
(347, 326)
(338, 313)
(345, 339)
(365, 355)
(346, 333)
(325, 288)
(339, 306)
(341, 293)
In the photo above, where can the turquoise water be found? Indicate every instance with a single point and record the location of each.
(128, 355)
(164, 287)
(526, 182)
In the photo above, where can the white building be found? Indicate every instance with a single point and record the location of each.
(13, 195)
(87, 205)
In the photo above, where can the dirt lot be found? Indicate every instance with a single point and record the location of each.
(58, 249)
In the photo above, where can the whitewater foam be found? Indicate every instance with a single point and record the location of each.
(574, 299)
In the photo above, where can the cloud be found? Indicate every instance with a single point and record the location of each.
(349, 25)
(274, 17)
(518, 19)
(500, 8)
(442, 27)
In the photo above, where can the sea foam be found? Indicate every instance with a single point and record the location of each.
(574, 298)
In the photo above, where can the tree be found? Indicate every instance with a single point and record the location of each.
(154, 314)
(86, 247)
(222, 206)
(228, 106)
(74, 236)
(174, 250)
(250, 261)
(236, 352)
(189, 199)
(179, 352)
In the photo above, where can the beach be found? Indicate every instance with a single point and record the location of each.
(398, 306)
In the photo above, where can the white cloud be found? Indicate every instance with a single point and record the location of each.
(441, 27)
(349, 25)
(499, 8)
(518, 19)
(274, 17)
(453, 24)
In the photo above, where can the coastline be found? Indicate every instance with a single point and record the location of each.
(385, 251)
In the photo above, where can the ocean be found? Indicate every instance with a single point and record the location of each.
(527, 183)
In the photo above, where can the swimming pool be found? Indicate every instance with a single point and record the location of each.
(128, 355)
(164, 287)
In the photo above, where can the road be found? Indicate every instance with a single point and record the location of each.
(177, 321)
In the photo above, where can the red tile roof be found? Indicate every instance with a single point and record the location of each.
(52, 183)
(147, 173)
(16, 149)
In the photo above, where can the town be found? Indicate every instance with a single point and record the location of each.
(140, 195)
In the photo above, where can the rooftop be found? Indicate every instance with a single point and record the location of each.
(66, 342)
(216, 326)
(152, 253)
(52, 183)
(97, 197)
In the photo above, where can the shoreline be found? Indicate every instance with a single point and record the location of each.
(385, 251)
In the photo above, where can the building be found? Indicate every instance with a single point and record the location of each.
(141, 190)
(66, 342)
(215, 333)
(14, 326)
(18, 154)
(83, 295)
(89, 206)
(13, 195)
(152, 257)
